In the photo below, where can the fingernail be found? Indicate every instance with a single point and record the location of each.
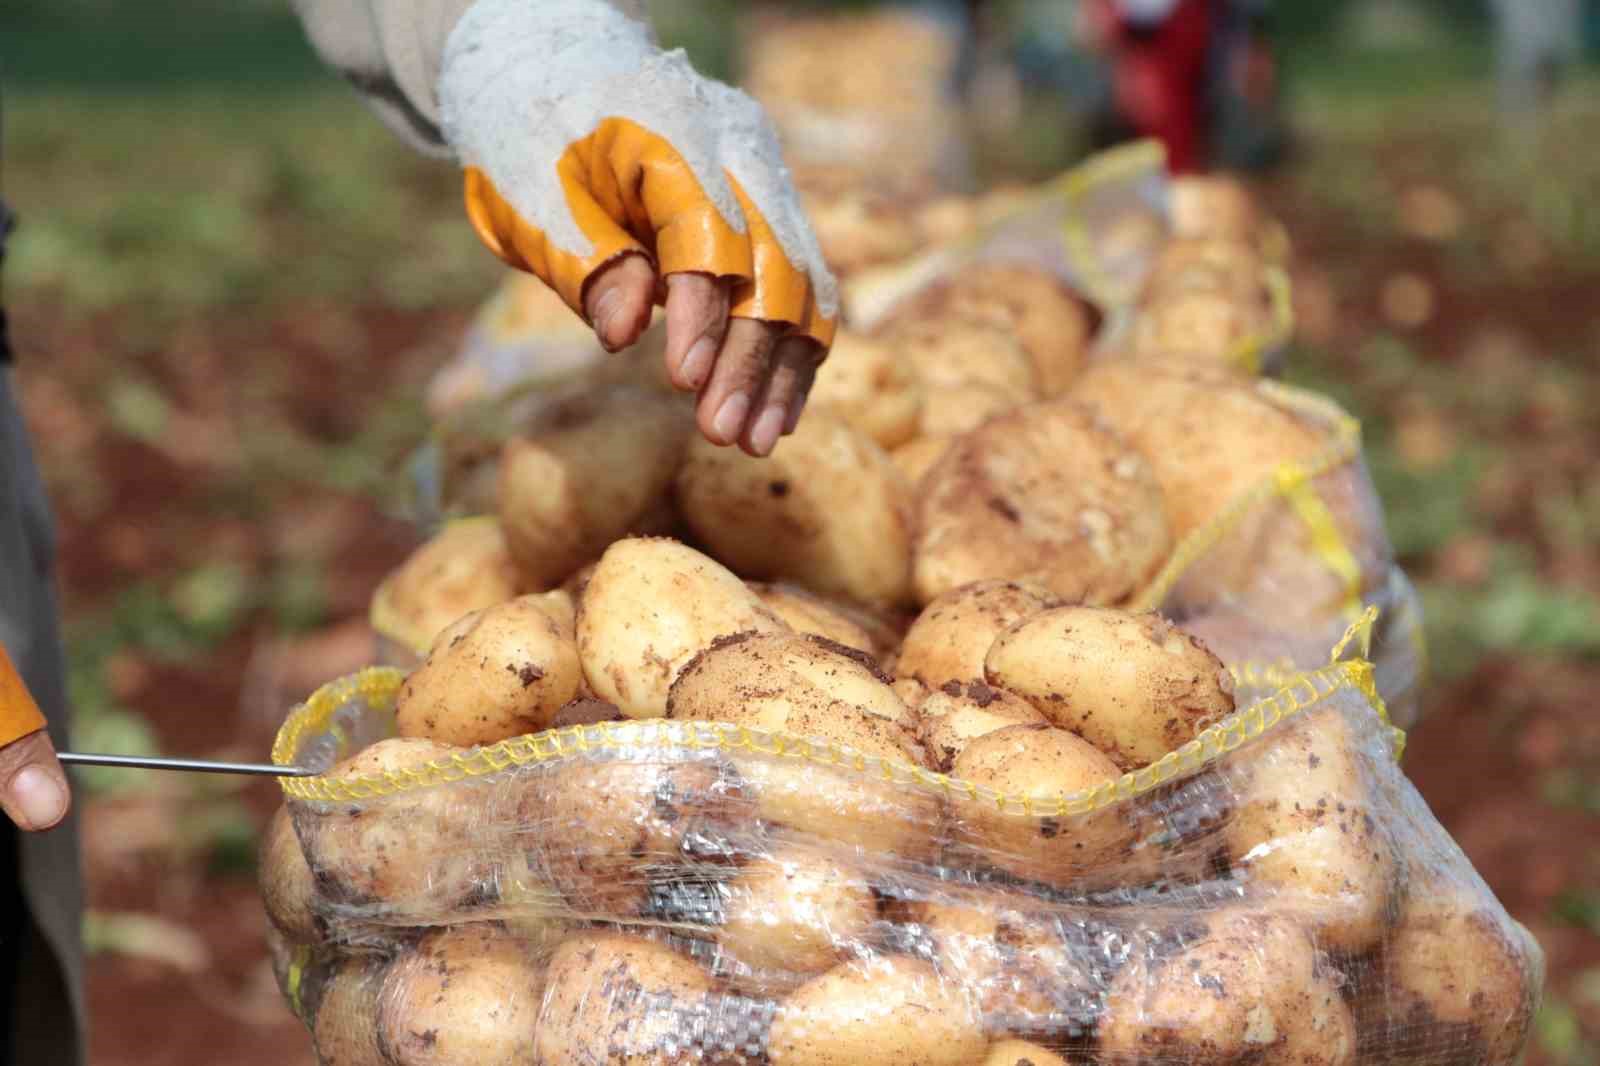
(604, 307)
(696, 366)
(39, 796)
(768, 428)
(730, 416)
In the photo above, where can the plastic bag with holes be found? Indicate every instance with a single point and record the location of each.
(665, 891)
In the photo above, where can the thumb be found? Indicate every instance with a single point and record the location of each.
(33, 787)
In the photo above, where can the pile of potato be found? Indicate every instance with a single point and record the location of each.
(940, 583)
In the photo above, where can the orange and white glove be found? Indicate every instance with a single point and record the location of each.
(622, 178)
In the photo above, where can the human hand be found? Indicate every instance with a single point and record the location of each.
(33, 787)
(622, 178)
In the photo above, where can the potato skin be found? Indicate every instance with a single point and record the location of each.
(502, 672)
(888, 1010)
(1048, 494)
(951, 638)
(794, 913)
(951, 410)
(781, 517)
(865, 384)
(287, 887)
(345, 1031)
(620, 1000)
(964, 351)
(954, 715)
(1307, 826)
(1020, 1053)
(1133, 685)
(805, 612)
(916, 457)
(605, 462)
(465, 994)
(651, 606)
(464, 568)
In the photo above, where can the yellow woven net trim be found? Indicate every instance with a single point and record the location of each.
(1293, 482)
(1249, 354)
(377, 688)
(1114, 166)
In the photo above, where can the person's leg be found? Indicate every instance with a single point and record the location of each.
(11, 925)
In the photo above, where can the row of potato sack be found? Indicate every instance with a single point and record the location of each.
(748, 843)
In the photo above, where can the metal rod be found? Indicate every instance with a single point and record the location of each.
(196, 766)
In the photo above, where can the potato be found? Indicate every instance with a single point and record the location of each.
(1047, 494)
(1133, 685)
(650, 607)
(345, 1031)
(955, 715)
(470, 993)
(464, 568)
(858, 229)
(1020, 1053)
(911, 691)
(410, 853)
(951, 410)
(800, 684)
(794, 913)
(946, 219)
(1202, 325)
(915, 458)
(867, 385)
(499, 673)
(955, 351)
(951, 637)
(1267, 562)
(609, 833)
(586, 711)
(1213, 206)
(1052, 324)
(601, 466)
(287, 887)
(1307, 827)
(888, 1010)
(804, 612)
(1040, 762)
(809, 688)
(1229, 267)
(827, 509)
(1246, 991)
(1455, 965)
(621, 1000)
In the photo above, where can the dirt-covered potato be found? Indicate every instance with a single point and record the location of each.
(498, 673)
(1230, 267)
(1247, 990)
(650, 606)
(951, 637)
(1048, 494)
(915, 458)
(868, 385)
(1206, 206)
(794, 913)
(806, 687)
(287, 887)
(1206, 326)
(1133, 685)
(887, 1010)
(1020, 1053)
(1453, 965)
(1210, 439)
(954, 351)
(1307, 827)
(621, 1000)
(950, 410)
(805, 612)
(827, 509)
(1040, 762)
(345, 1031)
(859, 229)
(588, 477)
(956, 714)
(409, 854)
(464, 568)
(470, 993)
(613, 835)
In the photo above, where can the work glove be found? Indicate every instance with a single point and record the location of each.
(33, 788)
(619, 176)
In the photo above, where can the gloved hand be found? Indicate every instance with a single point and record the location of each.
(33, 788)
(621, 177)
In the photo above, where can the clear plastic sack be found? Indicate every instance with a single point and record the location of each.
(672, 891)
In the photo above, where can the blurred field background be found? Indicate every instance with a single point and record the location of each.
(230, 284)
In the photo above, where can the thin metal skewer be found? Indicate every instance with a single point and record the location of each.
(195, 766)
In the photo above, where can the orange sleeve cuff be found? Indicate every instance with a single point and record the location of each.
(19, 714)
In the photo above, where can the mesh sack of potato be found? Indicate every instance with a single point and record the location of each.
(1086, 842)
(873, 90)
